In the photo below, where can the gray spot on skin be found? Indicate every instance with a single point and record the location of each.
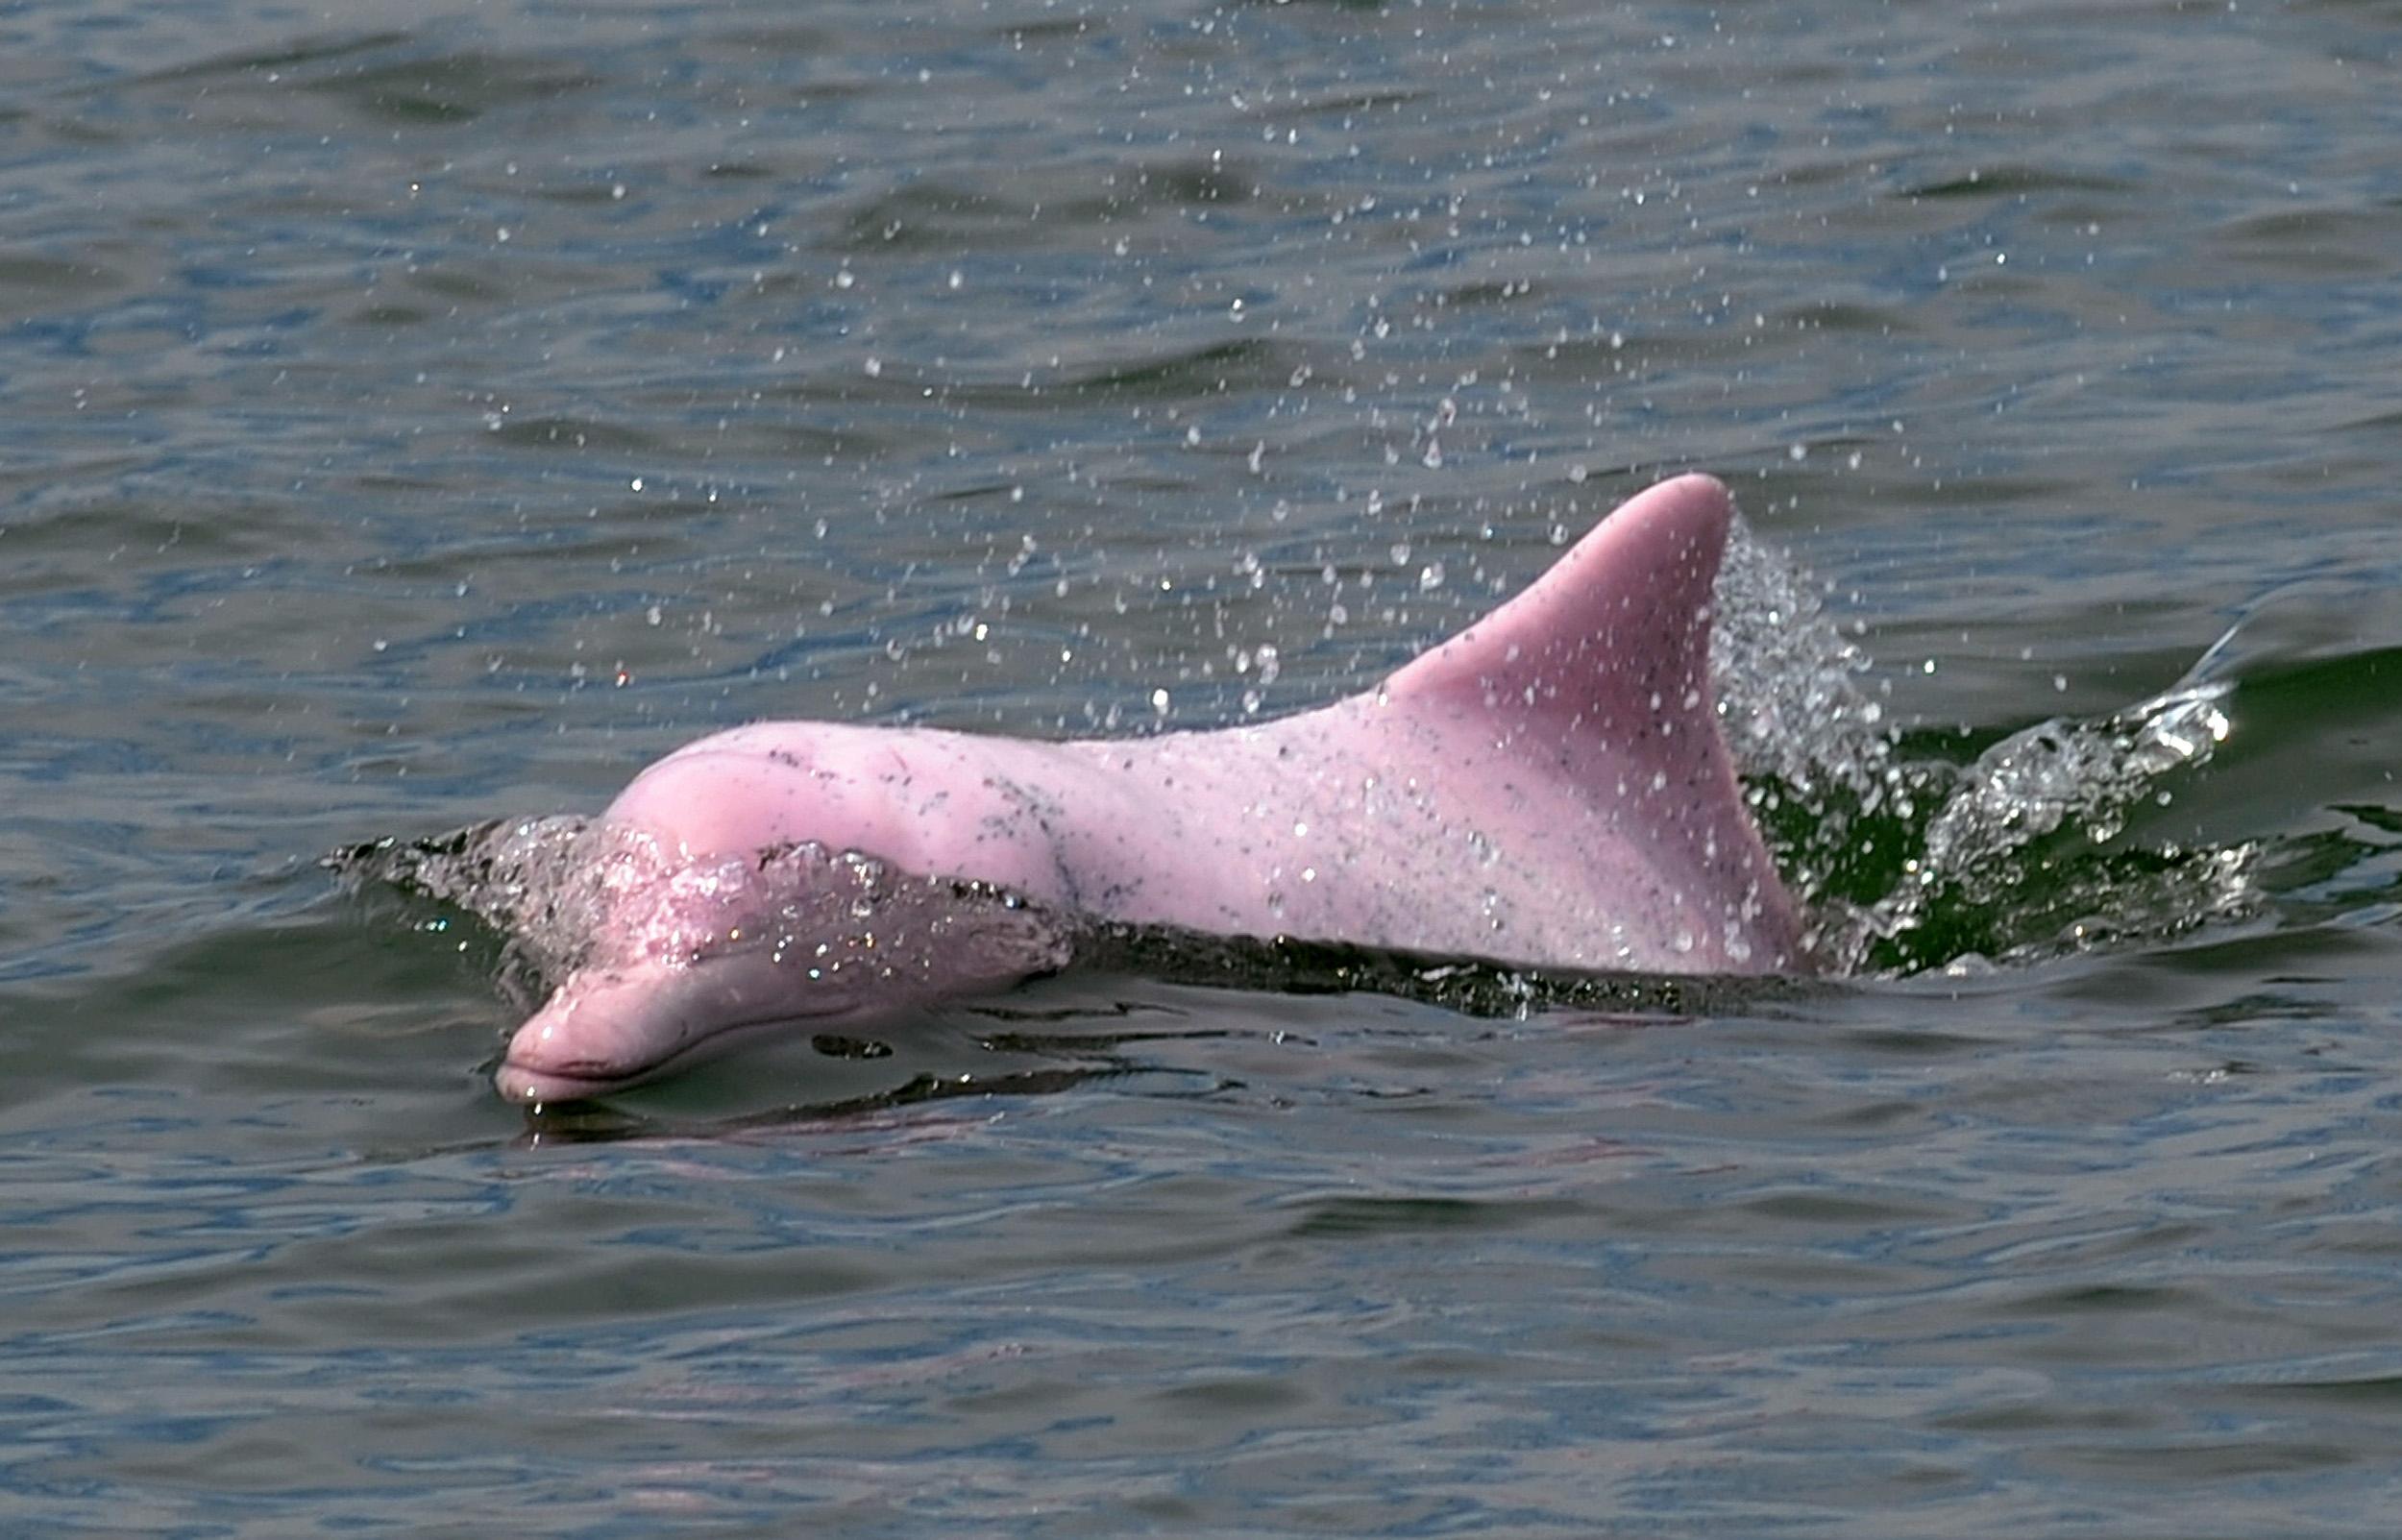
(1040, 811)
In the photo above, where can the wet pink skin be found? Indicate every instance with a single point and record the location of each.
(1549, 786)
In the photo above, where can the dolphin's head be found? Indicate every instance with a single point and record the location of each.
(687, 962)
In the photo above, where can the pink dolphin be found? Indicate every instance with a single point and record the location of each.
(1549, 786)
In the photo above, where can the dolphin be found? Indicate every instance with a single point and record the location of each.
(1548, 788)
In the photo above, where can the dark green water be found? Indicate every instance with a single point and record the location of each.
(411, 419)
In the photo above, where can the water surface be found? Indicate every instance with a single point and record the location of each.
(407, 421)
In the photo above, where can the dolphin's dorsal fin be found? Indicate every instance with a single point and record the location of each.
(1610, 647)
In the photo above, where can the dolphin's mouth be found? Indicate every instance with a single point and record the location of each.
(538, 1086)
(584, 1076)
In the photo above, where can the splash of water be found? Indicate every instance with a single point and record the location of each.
(1908, 864)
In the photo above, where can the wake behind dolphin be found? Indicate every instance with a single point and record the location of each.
(1548, 788)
